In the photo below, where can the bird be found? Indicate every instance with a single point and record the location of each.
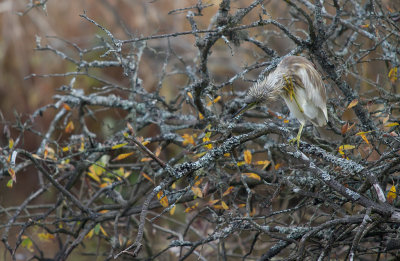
(296, 80)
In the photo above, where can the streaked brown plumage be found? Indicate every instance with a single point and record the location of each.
(297, 81)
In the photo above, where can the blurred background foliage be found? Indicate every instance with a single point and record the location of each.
(21, 95)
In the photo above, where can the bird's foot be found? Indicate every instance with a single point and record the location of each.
(295, 140)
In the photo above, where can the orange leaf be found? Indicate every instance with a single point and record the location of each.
(147, 177)
(278, 166)
(212, 202)
(66, 107)
(188, 139)
(198, 182)
(247, 156)
(158, 151)
(391, 195)
(130, 128)
(364, 138)
(201, 117)
(228, 191)
(252, 175)
(70, 127)
(122, 156)
(352, 103)
(12, 174)
(197, 192)
(145, 159)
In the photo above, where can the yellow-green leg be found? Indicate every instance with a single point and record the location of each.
(298, 136)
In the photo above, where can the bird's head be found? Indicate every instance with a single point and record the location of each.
(264, 90)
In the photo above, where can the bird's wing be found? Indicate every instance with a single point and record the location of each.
(313, 84)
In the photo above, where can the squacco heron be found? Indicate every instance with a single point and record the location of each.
(297, 81)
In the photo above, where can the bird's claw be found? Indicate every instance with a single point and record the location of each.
(293, 141)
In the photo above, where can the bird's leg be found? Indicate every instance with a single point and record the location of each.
(297, 139)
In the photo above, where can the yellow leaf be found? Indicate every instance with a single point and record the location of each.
(173, 186)
(285, 121)
(240, 163)
(144, 143)
(65, 149)
(90, 234)
(10, 183)
(201, 154)
(393, 74)
(247, 156)
(147, 177)
(364, 138)
(103, 185)
(70, 127)
(363, 132)
(201, 117)
(364, 25)
(190, 95)
(188, 139)
(94, 176)
(391, 195)
(118, 146)
(10, 143)
(163, 199)
(252, 175)
(392, 124)
(82, 148)
(36, 156)
(122, 156)
(197, 192)
(278, 166)
(346, 147)
(172, 210)
(224, 205)
(207, 140)
(241, 205)
(127, 174)
(262, 162)
(103, 231)
(189, 209)
(352, 103)
(66, 107)
(27, 243)
(227, 154)
(45, 236)
(228, 191)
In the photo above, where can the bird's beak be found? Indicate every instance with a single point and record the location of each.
(245, 108)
